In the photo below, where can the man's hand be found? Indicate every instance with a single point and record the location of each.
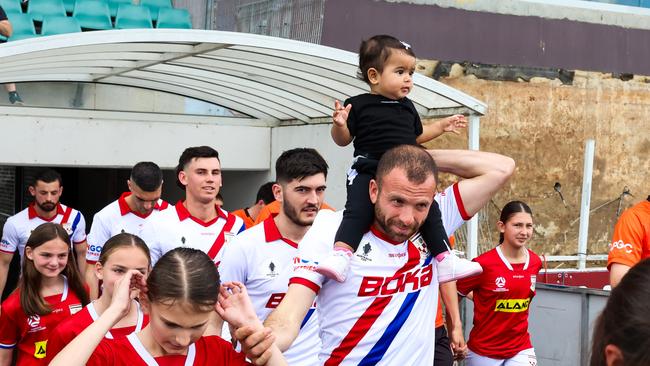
(457, 342)
(255, 344)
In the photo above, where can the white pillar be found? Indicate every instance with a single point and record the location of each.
(472, 225)
(583, 232)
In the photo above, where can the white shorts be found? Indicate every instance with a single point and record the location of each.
(524, 358)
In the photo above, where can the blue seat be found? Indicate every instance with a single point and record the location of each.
(69, 6)
(59, 25)
(11, 6)
(155, 5)
(42, 8)
(23, 26)
(92, 14)
(114, 4)
(132, 17)
(174, 18)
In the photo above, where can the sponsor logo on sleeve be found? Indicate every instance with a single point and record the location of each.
(512, 305)
(620, 245)
(40, 349)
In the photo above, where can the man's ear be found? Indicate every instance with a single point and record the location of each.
(373, 191)
(32, 190)
(182, 177)
(277, 192)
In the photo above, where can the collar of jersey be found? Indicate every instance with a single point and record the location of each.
(376, 232)
(272, 233)
(31, 212)
(184, 214)
(125, 209)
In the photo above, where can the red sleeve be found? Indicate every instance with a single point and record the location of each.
(467, 285)
(102, 355)
(216, 346)
(9, 329)
(55, 343)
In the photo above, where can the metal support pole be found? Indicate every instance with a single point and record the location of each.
(583, 233)
(472, 225)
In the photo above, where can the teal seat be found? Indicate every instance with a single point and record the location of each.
(59, 25)
(132, 17)
(155, 5)
(42, 8)
(11, 6)
(92, 14)
(174, 18)
(114, 4)
(23, 26)
(69, 6)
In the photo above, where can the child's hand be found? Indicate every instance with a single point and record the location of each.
(453, 123)
(234, 305)
(126, 289)
(340, 115)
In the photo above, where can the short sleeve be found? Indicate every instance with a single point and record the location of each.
(96, 238)
(148, 234)
(103, 355)
(452, 209)
(79, 234)
(9, 330)
(466, 285)
(10, 239)
(627, 242)
(233, 262)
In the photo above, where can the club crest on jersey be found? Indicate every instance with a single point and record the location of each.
(365, 250)
(75, 308)
(271, 269)
(500, 283)
(34, 323)
(183, 240)
(228, 236)
(68, 228)
(533, 280)
(420, 245)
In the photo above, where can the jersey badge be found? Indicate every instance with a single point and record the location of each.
(75, 308)
(420, 245)
(34, 323)
(68, 228)
(183, 240)
(227, 236)
(533, 280)
(500, 283)
(272, 270)
(40, 349)
(365, 250)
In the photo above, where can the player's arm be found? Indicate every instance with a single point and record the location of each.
(6, 356)
(616, 273)
(5, 261)
(485, 174)
(340, 132)
(285, 320)
(80, 250)
(436, 128)
(449, 295)
(5, 28)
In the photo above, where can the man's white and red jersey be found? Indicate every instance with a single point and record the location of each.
(116, 218)
(129, 351)
(502, 296)
(71, 327)
(30, 333)
(19, 227)
(384, 312)
(262, 260)
(176, 227)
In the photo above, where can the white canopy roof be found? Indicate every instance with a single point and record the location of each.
(272, 80)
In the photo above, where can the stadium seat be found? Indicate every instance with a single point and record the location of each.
(132, 16)
(59, 25)
(155, 5)
(41, 8)
(92, 14)
(69, 6)
(174, 18)
(114, 4)
(11, 6)
(23, 26)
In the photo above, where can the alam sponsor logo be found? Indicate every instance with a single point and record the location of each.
(512, 305)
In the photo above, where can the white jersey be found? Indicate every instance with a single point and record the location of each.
(262, 260)
(384, 313)
(116, 218)
(176, 227)
(19, 227)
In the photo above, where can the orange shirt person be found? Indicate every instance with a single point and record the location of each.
(273, 209)
(263, 198)
(631, 241)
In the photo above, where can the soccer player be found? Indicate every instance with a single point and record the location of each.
(502, 294)
(262, 257)
(383, 314)
(197, 221)
(631, 241)
(264, 197)
(125, 215)
(46, 189)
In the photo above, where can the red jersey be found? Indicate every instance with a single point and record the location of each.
(502, 295)
(129, 351)
(65, 332)
(30, 334)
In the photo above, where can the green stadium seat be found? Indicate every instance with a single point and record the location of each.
(69, 6)
(114, 4)
(92, 14)
(59, 25)
(174, 18)
(132, 17)
(11, 6)
(41, 8)
(23, 26)
(155, 5)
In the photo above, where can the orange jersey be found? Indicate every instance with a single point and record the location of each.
(631, 240)
(273, 209)
(248, 221)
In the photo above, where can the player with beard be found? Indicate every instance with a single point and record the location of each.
(46, 189)
(262, 257)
